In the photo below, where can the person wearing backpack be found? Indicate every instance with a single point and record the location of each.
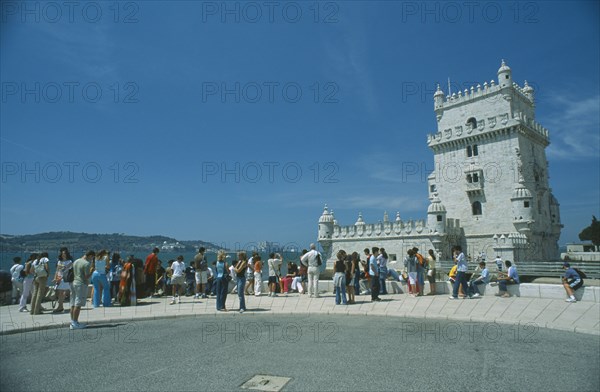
(27, 282)
(40, 269)
(571, 280)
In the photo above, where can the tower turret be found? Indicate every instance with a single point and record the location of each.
(522, 208)
(325, 225)
(436, 216)
(528, 91)
(438, 102)
(504, 76)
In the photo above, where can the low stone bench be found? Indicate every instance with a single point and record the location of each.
(526, 290)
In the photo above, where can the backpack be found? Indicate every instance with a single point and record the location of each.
(581, 274)
(69, 277)
(39, 270)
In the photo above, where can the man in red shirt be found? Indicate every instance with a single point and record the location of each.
(150, 271)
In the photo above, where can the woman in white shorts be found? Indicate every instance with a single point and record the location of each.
(410, 264)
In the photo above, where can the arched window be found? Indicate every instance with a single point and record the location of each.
(472, 122)
(476, 208)
(469, 178)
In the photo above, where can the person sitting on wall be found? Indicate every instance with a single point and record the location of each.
(571, 281)
(503, 280)
(482, 279)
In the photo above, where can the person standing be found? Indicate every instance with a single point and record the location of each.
(127, 286)
(27, 282)
(250, 274)
(100, 281)
(240, 272)
(374, 273)
(40, 268)
(116, 266)
(274, 273)
(421, 269)
(177, 278)
(17, 279)
(410, 265)
(65, 263)
(339, 278)
(257, 261)
(431, 272)
(382, 261)
(313, 259)
(82, 271)
(201, 273)
(150, 271)
(498, 263)
(461, 273)
(221, 280)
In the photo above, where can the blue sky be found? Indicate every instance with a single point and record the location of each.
(236, 123)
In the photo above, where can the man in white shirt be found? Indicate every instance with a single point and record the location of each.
(312, 258)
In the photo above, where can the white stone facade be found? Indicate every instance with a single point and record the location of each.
(489, 189)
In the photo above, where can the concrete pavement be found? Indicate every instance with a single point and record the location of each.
(581, 317)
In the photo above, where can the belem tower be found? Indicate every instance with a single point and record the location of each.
(488, 192)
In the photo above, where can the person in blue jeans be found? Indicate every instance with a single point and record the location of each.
(101, 266)
(382, 259)
(339, 278)
(221, 271)
(461, 272)
(240, 271)
(483, 279)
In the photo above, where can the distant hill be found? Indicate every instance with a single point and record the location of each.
(52, 241)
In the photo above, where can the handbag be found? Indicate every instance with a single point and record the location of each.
(319, 262)
(430, 272)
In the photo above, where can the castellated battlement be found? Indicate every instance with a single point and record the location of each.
(482, 92)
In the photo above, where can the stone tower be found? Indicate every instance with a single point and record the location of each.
(491, 172)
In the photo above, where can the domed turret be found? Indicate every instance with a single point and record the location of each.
(504, 76)
(522, 208)
(528, 91)
(438, 98)
(360, 221)
(325, 225)
(436, 215)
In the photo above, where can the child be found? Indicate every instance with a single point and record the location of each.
(178, 278)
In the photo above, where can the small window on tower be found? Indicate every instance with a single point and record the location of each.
(469, 151)
(475, 152)
(469, 178)
(526, 204)
(476, 208)
(439, 218)
(432, 188)
(475, 177)
(472, 122)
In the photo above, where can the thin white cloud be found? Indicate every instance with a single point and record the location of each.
(574, 128)
(348, 57)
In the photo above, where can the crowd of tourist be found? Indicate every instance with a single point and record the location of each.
(122, 281)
